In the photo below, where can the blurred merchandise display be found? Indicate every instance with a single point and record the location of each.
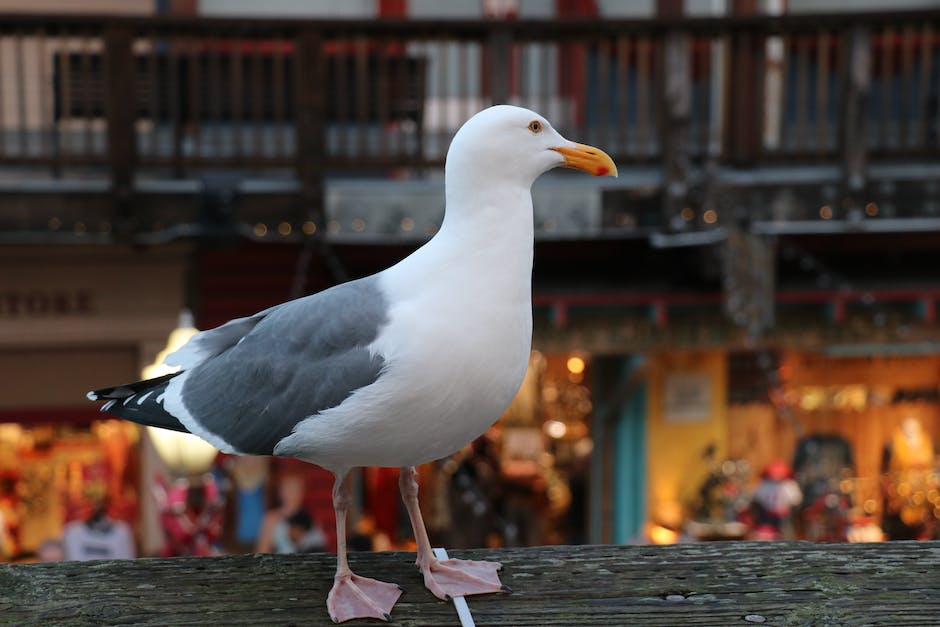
(911, 484)
(53, 475)
(191, 512)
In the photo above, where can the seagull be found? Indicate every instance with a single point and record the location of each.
(396, 369)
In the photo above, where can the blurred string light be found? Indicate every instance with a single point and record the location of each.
(575, 364)
(555, 429)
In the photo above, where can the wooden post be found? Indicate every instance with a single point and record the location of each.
(675, 98)
(120, 110)
(310, 89)
(500, 47)
(854, 130)
(744, 113)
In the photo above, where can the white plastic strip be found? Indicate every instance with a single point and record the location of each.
(463, 610)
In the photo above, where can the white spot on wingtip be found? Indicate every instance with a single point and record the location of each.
(92, 396)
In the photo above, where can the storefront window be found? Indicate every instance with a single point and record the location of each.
(51, 474)
(856, 435)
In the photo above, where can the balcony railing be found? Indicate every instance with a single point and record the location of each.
(173, 97)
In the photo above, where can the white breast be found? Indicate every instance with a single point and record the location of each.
(456, 348)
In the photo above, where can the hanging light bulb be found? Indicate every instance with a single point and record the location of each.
(183, 453)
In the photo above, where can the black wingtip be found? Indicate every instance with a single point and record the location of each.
(120, 392)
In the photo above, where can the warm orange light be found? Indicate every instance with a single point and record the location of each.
(555, 429)
(575, 365)
(662, 535)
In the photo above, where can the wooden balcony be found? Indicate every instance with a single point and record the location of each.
(842, 111)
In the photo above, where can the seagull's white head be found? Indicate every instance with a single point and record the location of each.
(516, 145)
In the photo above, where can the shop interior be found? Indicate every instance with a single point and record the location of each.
(841, 448)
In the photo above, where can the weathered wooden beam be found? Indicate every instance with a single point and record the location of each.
(694, 584)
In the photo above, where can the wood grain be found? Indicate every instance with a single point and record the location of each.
(694, 584)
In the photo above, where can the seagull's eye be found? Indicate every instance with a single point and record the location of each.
(535, 126)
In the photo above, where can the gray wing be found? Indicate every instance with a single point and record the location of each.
(294, 361)
(208, 344)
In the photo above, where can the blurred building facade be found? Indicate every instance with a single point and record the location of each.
(759, 284)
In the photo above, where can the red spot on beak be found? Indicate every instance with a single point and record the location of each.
(602, 171)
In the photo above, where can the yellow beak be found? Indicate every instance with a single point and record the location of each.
(588, 159)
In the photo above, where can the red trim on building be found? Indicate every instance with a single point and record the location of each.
(393, 8)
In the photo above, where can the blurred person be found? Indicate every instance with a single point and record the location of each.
(821, 462)
(274, 536)
(304, 534)
(98, 537)
(474, 495)
(775, 499)
(249, 474)
(191, 515)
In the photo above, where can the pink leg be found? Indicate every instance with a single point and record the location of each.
(445, 578)
(353, 596)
